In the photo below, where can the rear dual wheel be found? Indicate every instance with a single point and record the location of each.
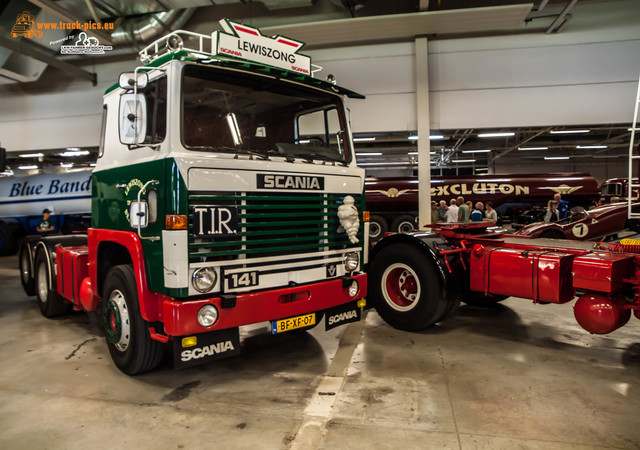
(406, 289)
(50, 302)
(26, 273)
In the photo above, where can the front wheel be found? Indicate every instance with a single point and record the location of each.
(127, 333)
(404, 223)
(378, 226)
(405, 289)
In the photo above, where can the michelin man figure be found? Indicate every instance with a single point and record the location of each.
(348, 215)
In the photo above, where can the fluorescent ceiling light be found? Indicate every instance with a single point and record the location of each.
(364, 139)
(28, 167)
(506, 134)
(463, 160)
(631, 129)
(80, 153)
(533, 148)
(482, 168)
(415, 153)
(568, 131)
(476, 151)
(73, 149)
(436, 137)
(556, 157)
(369, 154)
(92, 164)
(31, 155)
(66, 164)
(413, 138)
(591, 146)
(408, 163)
(304, 141)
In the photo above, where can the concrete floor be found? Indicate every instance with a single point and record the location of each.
(519, 376)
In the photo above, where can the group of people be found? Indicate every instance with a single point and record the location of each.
(557, 209)
(461, 211)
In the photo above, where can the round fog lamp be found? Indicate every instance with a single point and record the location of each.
(351, 261)
(204, 279)
(353, 289)
(207, 315)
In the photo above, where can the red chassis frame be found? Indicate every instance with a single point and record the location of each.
(551, 271)
(77, 282)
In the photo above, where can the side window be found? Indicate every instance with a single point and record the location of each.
(156, 97)
(103, 130)
(319, 126)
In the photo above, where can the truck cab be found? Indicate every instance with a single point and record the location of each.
(226, 193)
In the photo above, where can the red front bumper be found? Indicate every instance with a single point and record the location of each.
(180, 317)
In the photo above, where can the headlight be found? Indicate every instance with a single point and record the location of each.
(204, 279)
(207, 315)
(354, 288)
(351, 261)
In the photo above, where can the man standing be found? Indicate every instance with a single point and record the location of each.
(563, 206)
(476, 214)
(463, 210)
(46, 224)
(452, 213)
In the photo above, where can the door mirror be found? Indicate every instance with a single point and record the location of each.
(138, 214)
(133, 118)
(129, 80)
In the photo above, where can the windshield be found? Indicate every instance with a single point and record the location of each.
(614, 189)
(235, 112)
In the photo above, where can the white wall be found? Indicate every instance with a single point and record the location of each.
(587, 74)
(55, 112)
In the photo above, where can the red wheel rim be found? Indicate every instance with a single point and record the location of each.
(400, 287)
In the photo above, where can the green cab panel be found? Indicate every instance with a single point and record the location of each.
(114, 190)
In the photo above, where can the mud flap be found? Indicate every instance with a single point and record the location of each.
(341, 315)
(201, 348)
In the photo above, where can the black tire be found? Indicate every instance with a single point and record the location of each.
(127, 333)
(479, 299)
(51, 304)
(378, 226)
(552, 234)
(405, 289)
(403, 223)
(8, 242)
(26, 272)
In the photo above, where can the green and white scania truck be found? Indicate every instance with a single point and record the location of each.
(226, 193)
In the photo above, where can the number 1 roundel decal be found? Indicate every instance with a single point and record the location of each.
(580, 230)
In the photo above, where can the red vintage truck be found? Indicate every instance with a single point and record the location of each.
(393, 202)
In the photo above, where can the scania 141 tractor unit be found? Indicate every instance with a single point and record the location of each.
(226, 193)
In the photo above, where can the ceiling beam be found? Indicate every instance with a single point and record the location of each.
(68, 16)
(29, 50)
(361, 30)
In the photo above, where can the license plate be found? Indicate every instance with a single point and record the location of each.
(293, 323)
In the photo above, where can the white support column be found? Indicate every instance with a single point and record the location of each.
(424, 146)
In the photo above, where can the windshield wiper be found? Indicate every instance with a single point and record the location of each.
(237, 151)
(309, 156)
